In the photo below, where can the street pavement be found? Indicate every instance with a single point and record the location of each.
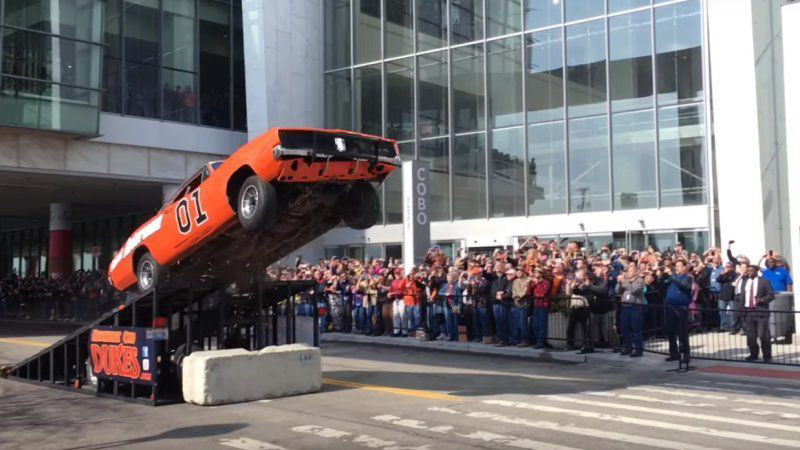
(395, 398)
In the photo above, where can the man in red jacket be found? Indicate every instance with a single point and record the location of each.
(398, 308)
(540, 291)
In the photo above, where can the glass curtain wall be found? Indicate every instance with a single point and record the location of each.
(177, 60)
(526, 107)
(50, 54)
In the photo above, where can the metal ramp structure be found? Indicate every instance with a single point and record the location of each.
(174, 323)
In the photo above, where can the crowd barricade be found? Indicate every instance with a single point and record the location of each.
(709, 330)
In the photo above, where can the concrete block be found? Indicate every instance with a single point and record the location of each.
(127, 160)
(39, 152)
(237, 375)
(9, 150)
(85, 156)
(168, 164)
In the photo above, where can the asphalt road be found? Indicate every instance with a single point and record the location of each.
(392, 399)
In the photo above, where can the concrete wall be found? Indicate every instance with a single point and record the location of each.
(791, 71)
(283, 51)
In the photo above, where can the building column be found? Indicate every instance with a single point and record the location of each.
(791, 78)
(59, 254)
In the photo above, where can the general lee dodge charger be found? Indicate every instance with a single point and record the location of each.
(270, 197)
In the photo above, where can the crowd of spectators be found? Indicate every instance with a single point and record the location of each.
(506, 297)
(79, 297)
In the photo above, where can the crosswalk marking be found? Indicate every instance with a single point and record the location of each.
(643, 398)
(363, 440)
(752, 401)
(666, 412)
(244, 443)
(572, 429)
(708, 388)
(323, 432)
(650, 423)
(759, 412)
(797, 391)
(479, 435)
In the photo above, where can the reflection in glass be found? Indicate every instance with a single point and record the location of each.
(547, 187)
(542, 13)
(622, 5)
(469, 176)
(588, 164)
(505, 82)
(368, 99)
(503, 17)
(468, 89)
(34, 104)
(141, 58)
(435, 152)
(215, 96)
(634, 158)
(367, 30)
(337, 100)
(112, 57)
(239, 98)
(507, 159)
(399, 29)
(179, 95)
(586, 69)
(431, 24)
(177, 35)
(432, 94)
(679, 52)
(631, 65)
(466, 20)
(400, 99)
(681, 156)
(73, 18)
(582, 9)
(394, 186)
(694, 241)
(337, 33)
(544, 90)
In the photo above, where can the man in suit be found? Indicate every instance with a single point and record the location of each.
(755, 295)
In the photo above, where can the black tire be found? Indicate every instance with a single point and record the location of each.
(360, 206)
(257, 204)
(177, 359)
(147, 272)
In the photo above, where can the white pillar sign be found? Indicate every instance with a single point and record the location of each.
(416, 213)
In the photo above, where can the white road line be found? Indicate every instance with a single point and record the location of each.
(363, 440)
(751, 401)
(642, 398)
(727, 383)
(760, 412)
(478, 435)
(667, 412)
(787, 390)
(707, 388)
(633, 439)
(244, 443)
(650, 423)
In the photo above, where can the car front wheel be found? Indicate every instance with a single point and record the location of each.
(257, 204)
(147, 271)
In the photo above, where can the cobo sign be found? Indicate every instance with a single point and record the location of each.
(416, 216)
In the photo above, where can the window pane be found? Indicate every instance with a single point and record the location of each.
(177, 35)
(239, 98)
(508, 171)
(337, 100)
(435, 151)
(634, 157)
(400, 99)
(581, 9)
(180, 100)
(368, 99)
(469, 176)
(679, 74)
(544, 76)
(622, 5)
(588, 164)
(141, 55)
(466, 20)
(37, 104)
(394, 186)
(368, 30)
(399, 31)
(631, 66)
(547, 187)
(505, 82)
(432, 94)
(694, 241)
(468, 89)
(541, 13)
(215, 58)
(586, 69)
(73, 18)
(681, 156)
(431, 24)
(503, 17)
(112, 62)
(337, 33)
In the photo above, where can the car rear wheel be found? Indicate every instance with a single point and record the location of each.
(257, 204)
(147, 272)
(360, 206)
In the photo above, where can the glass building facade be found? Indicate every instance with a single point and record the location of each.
(50, 59)
(526, 107)
(176, 60)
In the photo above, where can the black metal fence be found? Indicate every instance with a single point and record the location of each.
(716, 333)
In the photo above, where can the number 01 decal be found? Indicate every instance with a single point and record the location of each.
(182, 213)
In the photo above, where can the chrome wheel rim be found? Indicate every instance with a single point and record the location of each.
(146, 274)
(249, 201)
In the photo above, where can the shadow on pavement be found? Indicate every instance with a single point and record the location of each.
(199, 431)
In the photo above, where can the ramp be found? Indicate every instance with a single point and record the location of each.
(139, 345)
